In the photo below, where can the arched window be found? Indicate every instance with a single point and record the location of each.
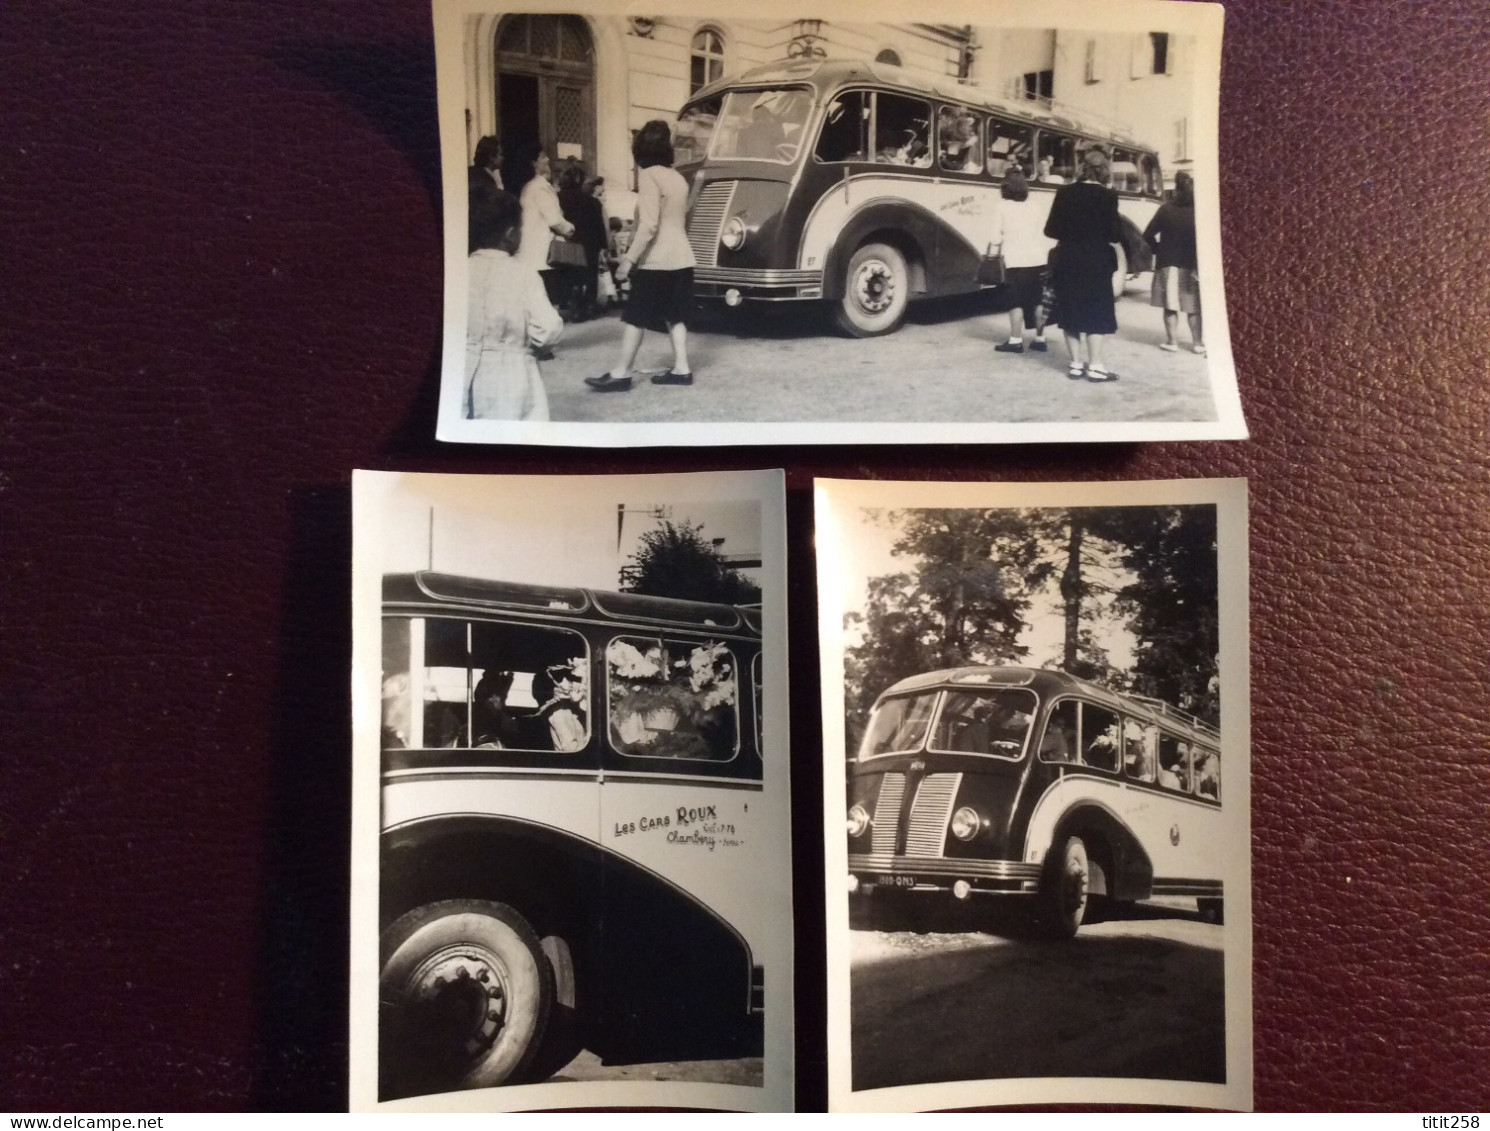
(706, 61)
(888, 55)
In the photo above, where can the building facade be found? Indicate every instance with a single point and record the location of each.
(580, 86)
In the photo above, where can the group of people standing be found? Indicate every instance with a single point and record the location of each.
(519, 278)
(1071, 285)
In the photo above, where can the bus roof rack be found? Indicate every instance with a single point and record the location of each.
(1172, 712)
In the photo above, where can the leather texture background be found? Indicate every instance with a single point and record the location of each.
(222, 291)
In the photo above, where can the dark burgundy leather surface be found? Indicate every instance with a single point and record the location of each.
(221, 292)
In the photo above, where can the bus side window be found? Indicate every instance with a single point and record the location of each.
(845, 129)
(1140, 753)
(757, 680)
(1174, 763)
(902, 131)
(1208, 773)
(1010, 144)
(958, 141)
(1059, 742)
(1057, 161)
(672, 698)
(1101, 735)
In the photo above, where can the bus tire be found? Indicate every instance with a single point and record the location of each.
(465, 991)
(876, 288)
(1120, 276)
(1064, 893)
(1212, 910)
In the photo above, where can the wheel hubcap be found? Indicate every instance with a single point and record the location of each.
(874, 286)
(463, 992)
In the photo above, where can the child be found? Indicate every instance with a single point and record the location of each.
(509, 316)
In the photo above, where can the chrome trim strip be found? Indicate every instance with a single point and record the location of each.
(757, 276)
(916, 866)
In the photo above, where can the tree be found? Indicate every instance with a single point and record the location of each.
(676, 560)
(964, 602)
(1173, 603)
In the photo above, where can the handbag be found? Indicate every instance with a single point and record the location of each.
(565, 253)
(991, 268)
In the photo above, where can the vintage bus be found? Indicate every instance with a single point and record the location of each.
(570, 831)
(1037, 787)
(863, 185)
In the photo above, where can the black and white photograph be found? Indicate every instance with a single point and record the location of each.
(571, 877)
(1037, 793)
(688, 228)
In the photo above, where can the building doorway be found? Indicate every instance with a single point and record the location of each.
(545, 88)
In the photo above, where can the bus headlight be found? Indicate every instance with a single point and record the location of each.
(966, 823)
(733, 236)
(858, 821)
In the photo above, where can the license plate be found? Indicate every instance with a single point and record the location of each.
(896, 881)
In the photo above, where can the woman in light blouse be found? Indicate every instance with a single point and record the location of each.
(659, 263)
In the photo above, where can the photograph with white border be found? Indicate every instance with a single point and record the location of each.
(571, 829)
(1037, 791)
(690, 228)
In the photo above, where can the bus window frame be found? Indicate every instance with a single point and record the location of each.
(980, 120)
(1081, 742)
(980, 692)
(632, 633)
(1143, 727)
(417, 683)
(990, 121)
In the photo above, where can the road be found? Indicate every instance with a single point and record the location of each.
(785, 363)
(1142, 997)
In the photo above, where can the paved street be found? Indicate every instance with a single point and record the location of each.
(1140, 996)
(786, 363)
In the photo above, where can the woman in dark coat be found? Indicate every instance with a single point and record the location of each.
(1084, 223)
(585, 213)
(1171, 233)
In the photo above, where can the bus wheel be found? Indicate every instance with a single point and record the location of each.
(1213, 910)
(1120, 276)
(465, 994)
(876, 288)
(1065, 891)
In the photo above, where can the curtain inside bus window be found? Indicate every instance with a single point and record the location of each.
(761, 125)
(845, 132)
(985, 722)
(959, 144)
(1101, 738)
(694, 129)
(898, 725)
(672, 698)
(1057, 161)
(902, 131)
(1009, 144)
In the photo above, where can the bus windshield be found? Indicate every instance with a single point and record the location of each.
(744, 125)
(899, 725)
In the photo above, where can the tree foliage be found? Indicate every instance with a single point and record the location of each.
(977, 574)
(676, 560)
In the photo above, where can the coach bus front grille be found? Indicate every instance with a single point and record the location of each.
(707, 219)
(887, 814)
(930, 813)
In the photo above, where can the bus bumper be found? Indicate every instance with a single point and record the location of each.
(961, 878)
(735, 285)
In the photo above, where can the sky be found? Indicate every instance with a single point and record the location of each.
(551, 530)
(867, 554)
